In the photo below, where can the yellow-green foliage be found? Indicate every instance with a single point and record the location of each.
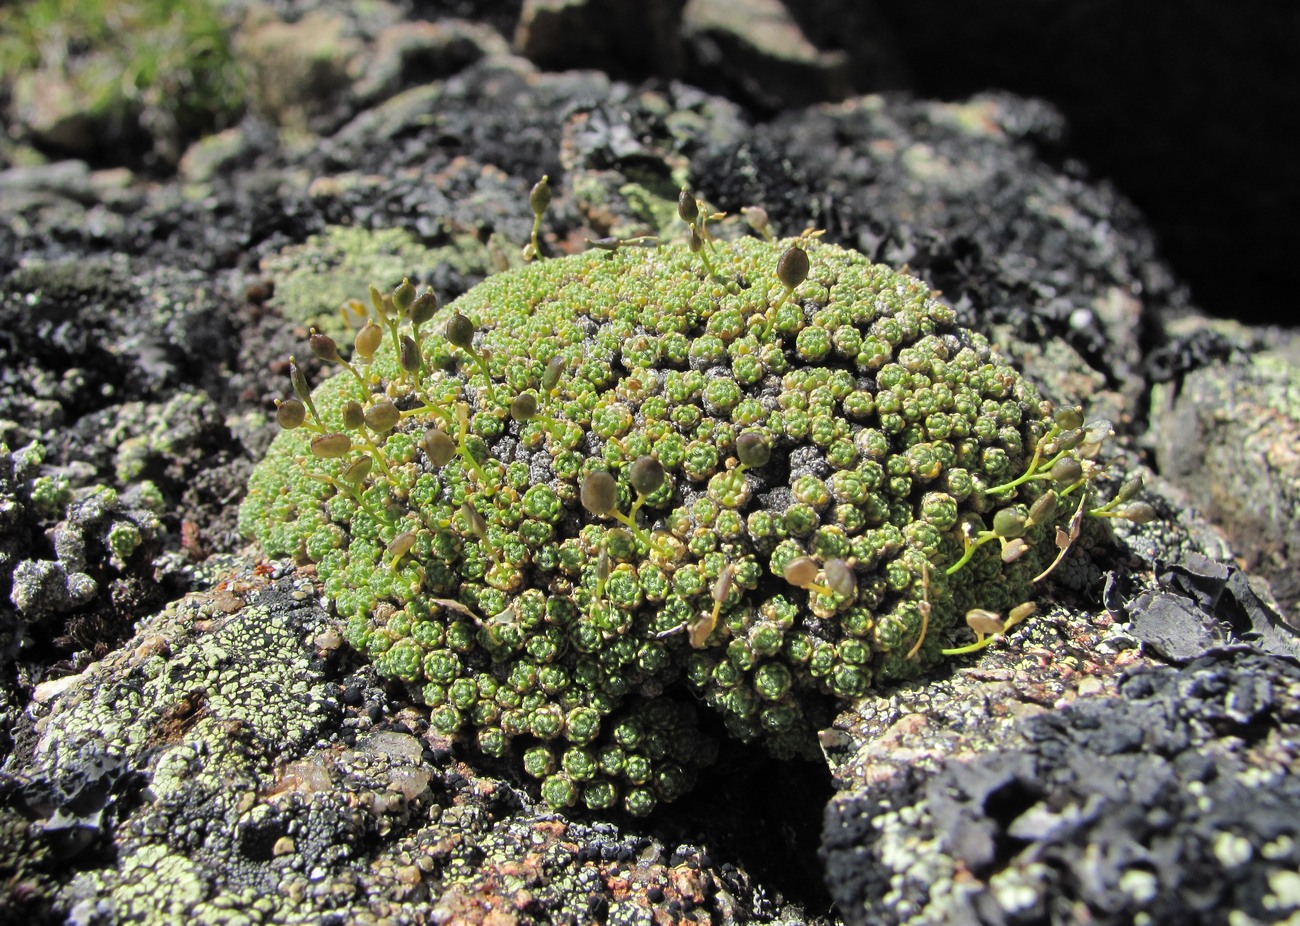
(846, 473)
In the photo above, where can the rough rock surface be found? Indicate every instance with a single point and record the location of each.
(227, 760)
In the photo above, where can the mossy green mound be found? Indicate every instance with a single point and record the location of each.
(793, 480)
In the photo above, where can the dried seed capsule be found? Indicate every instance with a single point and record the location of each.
(792, 268)
(697, 243)
(299, 379)
(423, 308)
(403, 296)
(599, 492)
(474, 521)
(539, 198)
(646, 475)
(752, 450)
(840, 577)
(354, 416)
(290, 414)
(323, 346)
(439, 446)
(800, 571)
(331, 446)
(1066, 471)
(382, 416)
(408, 354)
(687, 207)
(523, 407)
(757, 218)
(368, 339)
(400, 545)
(722, 587)
(1009, 524)
(984, 622)
(551, 375)
(359, 470)
(1014, 550)
(460, 331)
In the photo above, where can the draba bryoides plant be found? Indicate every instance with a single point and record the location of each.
(601, 494)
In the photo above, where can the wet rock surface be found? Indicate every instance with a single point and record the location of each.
(222, 757)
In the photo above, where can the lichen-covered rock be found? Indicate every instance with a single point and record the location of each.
(597, 491)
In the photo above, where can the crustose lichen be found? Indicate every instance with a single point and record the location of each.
(600, 491)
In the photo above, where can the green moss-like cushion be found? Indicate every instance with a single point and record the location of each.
(587, 642)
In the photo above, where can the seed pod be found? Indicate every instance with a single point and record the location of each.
(753, 450)
(792, 268)
(606, 244)
(403, 296)
(840, 577)
(423, 308)
(646, 475)
(474, 520)
(354, 416)
(984, 622)
(523, 407)
(602, 565)
(697, 243)
(1009, 524)
(1066, 440)
(800, 571)
(439, 447)
(1138, 512)
(323, 346)
(539, 198)
(382, 416)
(290, 414)
(757, 218)
(1041, 511)
(599, 492)
(1131, 487)
(400, 545)
(687, 207)
(460, 331)
(368, 339)
(1095, 434)
(299, 379)
(408, 353)
(1019, 613)
(722, 587)
(1014, 550)
(1068, 417)
(331, 446)
(551, 375)
(359, 470)
(377, 301)
(1066, 471)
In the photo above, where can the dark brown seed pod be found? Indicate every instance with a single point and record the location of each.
(599, 492)
(354, 416)
(439, 446)
(646, 475)
(408, 353)
(460, 332)
(539, 198)
(722, 587)
(368, 339)
(323, 346)
(792, 268)
(331, 446)
(403, 296)
(382, 416)
(423, 308)
(687, 207)
(753, 450)
(697, 243)
(800, 571)
(290, 414)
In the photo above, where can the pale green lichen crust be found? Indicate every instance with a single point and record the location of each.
(825, 458)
